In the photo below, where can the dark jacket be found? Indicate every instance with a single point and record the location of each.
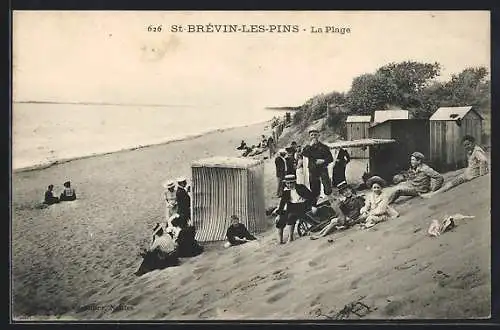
(280, 167)
(183, 203)
(317, 151)
(343, 158)
(303, 192)
(291, 165)
(238, 230)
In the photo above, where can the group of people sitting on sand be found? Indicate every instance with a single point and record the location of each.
(296, 199)
(175, 237)
(67, 194)
(265, 144)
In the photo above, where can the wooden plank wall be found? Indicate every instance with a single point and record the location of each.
(357, 131)
(219, 193)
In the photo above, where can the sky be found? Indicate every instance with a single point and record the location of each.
(111, 57)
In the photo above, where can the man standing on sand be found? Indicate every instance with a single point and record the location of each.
(477, 165)
(341, 162)
(319, 156)
(419, 182)
(281, 170)
(183, 199)
(298, 200)
(271, 145)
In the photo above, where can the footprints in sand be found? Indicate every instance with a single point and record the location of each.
(277, 297)
(465, 281)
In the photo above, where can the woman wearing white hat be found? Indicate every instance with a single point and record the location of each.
(169, 196)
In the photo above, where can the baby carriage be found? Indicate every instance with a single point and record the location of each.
(315, 222)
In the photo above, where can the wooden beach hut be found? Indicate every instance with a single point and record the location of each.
(381, 116)
(357, 128)
(410, 135)
(224, 186)
(448, 125)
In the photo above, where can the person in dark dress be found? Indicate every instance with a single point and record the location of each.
(341, 162)
(68, 194)
(280, 163)
(237, 233)
(183, 199)
(298, 199)
(49, 196)
(319, 156)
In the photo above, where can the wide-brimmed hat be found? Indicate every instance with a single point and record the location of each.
(313, 130)
(181, 179)
(375, 179)
(290, 178)
(168, 184)
(290, 149)
(418, 155)
(282, 151)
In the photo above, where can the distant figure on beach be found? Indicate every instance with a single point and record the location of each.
(49, 196)
(170, 197)
(348, 210)
(183, 199)
(319, 156)
(339, 166)
(68, 194)
(280, 164)
(237, 233)
(160, 254)
(271, 145)
(419, 179)
(376, 208)
(477, 165)
(242, 146)
(296, 200)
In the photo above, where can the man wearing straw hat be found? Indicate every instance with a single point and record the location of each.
(297, 199)
(419, 175)
(319, 156)
(170, 200)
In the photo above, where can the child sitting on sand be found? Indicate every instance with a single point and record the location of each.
(237, 233)
(376, 208)
(68, 194)
(49, 196)
(348, 210)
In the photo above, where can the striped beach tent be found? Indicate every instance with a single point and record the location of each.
(223, 186)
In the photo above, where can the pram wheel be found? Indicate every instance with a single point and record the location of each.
(303, 228)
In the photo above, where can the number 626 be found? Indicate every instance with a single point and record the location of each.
(154, 28)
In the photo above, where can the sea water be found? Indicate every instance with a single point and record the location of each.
(44, 133)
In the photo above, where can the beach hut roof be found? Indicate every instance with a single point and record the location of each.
(358, 119)
(227, 162)
(452, 113)
(383, 115)
(359, 143)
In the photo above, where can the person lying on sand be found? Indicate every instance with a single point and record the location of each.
(237, 233)
(49, 196)
(477, 165)
(297, 199)
(68, 194)
(376, 208)
(419, 175)
(348, 210)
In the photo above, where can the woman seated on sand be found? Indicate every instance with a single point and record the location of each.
(237, 233)
(376, 208)
(348, 210)
(68, 194)
(477, 165)
(184, 237)
(161, 253)
(49, 196)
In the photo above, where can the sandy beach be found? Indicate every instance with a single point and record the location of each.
(76, 260)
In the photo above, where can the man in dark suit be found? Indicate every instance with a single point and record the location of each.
(298, 199)
(319, 156)
(291, 162)
(183, 199)
(281, 170)
(341, 162)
